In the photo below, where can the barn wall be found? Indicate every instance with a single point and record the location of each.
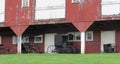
(117, 40)
(7, 42)
(40, 45)
(94, 46)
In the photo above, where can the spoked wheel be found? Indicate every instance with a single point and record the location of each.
(69, 49)
(51, 49)
(33, 50)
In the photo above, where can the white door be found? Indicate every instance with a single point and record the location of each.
(107, 37)
(49, 40)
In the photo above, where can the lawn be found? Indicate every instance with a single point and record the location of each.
(60, 59)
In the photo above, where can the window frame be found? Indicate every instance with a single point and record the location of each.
(25, 3)
(14, 39)
(91, 33)
(39, 36)
(75, 34)
(50, 11)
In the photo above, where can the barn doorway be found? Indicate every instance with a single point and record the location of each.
(49, 40)
(107, 41)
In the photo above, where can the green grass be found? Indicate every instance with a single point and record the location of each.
(60, 59)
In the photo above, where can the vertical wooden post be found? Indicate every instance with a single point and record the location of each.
(19, 44)
(82, 42)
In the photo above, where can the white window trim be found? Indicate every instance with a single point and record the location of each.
(41, 39)
(14, 39)
(25, 3)
(75, 34)
(90, 32)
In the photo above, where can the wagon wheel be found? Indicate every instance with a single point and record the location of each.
(51, 49)
(69, 49)
(33, 50)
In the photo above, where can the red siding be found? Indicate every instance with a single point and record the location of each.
(117, 40)
(7, 44)
(16, 15)
(94, 46)
(84, 11)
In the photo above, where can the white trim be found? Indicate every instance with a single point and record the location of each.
(38, 39)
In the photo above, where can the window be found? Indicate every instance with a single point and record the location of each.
(89, 36)
(77, 36)
(14, 39)
(25, 3)
(49, 9)
(76, 1)
(110, 7)
(25, 39)
(74, 36)
(71, 37)
(38, 39)
(2, 10)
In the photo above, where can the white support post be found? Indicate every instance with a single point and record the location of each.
(19, 44)
(82, 42)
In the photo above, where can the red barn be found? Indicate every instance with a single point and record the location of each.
(92, 26)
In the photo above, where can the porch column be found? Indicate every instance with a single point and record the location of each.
(82, 42)
(19, 43)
